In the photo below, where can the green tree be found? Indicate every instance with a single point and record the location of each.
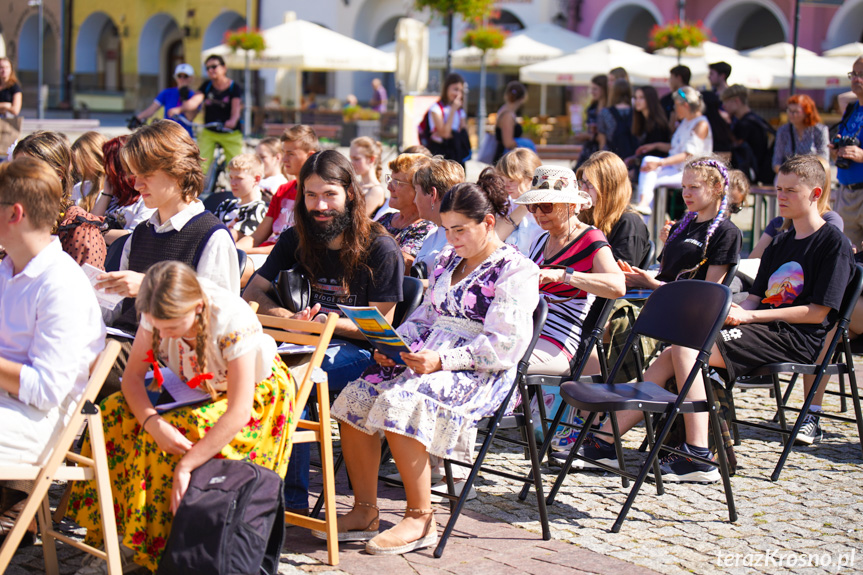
(467, 9)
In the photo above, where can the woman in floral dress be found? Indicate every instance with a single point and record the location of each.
(466, 340)
(211, 339)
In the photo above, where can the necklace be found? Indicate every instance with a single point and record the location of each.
(548, 252)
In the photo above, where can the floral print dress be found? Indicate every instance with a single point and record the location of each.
(409, 238)
(142, 474)
(480, 326)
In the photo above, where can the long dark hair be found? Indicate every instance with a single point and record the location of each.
(450, 80)
(655, 114)
(335, 169)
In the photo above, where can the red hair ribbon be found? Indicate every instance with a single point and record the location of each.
(199, 379)
(158, 378)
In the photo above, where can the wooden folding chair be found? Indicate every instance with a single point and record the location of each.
(86, 469)
(304, 431)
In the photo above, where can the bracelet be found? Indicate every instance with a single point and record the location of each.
(106, 195)
(149, 417)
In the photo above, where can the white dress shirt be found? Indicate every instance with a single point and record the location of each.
(51, 324)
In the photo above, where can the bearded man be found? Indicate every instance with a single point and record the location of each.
(349, 259)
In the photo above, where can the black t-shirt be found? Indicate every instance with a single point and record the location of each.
(667, 103)
(6, 94)
(384, 257)
(629, 239)
(217, 104)
(685, 250)
(815, 269)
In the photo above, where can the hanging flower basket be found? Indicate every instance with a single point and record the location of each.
(245, 39)
(485, 38)
(679, 35)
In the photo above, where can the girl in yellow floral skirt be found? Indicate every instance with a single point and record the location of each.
(211, 339)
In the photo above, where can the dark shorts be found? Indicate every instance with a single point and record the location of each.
(750, 346)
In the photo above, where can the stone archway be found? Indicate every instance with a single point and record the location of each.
(28, 59)
(846, 25)
(628, 21)
(215, 32)
(745, 24)
(98, 55)
(158, 37)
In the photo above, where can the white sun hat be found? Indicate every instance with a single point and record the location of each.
(554, 185)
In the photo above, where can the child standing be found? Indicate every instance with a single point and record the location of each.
(299, 143)
(243, 213)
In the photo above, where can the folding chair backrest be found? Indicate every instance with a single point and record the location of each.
(101, 369)
(852, 293)
(302, 333)
(732, 273)
(649, 257)
(539, 315)
(591, 333)
(412, 296)
(689, 313)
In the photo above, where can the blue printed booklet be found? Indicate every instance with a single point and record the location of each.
(380, 333)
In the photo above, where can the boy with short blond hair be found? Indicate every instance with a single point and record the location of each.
(299, 143)
(243, 213)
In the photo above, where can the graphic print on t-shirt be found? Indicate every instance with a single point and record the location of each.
(786, 283)
(329, 292)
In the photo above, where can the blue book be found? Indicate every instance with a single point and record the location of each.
(377, 330)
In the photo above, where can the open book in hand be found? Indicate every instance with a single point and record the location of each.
(174, 392)
(380, 333)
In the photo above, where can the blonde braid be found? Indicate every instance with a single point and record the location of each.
(157, 343)
(201, 346)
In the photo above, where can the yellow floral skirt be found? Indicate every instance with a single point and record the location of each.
(142, 474)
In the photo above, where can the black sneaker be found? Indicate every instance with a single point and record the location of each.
(810, 432)
(593, 448)
(681, 469)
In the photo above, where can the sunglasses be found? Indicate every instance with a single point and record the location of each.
(182, 76)
(544, 208)
(212, 66)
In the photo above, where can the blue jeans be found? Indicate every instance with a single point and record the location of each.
(345, 361)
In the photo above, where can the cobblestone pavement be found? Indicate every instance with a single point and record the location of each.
(807, 522)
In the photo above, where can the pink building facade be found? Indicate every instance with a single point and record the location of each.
(741, 24)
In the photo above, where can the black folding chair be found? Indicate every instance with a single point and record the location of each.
(688, 313)
(115, 253)
(837, 361)
(491, 425)
(649, 257)
(592, 332)
(412, 297)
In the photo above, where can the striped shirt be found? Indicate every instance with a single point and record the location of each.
(565, 319)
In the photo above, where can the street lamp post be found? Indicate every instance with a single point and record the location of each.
(40, 97)
(681, 10)
(247, 79)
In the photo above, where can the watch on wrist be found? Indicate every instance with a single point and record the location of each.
(567, 276)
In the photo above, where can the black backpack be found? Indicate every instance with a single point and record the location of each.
(230, 522)
(622, 142)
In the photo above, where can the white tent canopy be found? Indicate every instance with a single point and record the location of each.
(533, 44)
(813, 71)
(846, 54)
(598, 58)
(744, 70)
(306, 46)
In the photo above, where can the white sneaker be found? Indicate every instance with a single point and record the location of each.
(440, 489)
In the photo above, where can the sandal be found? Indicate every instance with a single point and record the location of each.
(365, 534)
(388, 544)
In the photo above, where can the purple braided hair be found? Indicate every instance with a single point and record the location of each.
(720, 215)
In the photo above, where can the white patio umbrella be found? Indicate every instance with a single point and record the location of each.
(533, 44)
(744, 70)
(304, 46)
(845, 54)
(578, 68)
(812, 72)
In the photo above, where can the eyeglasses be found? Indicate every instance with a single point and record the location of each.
(184, 76)
(853, 75)
(584, 184)
(396, 182)
(212, 66)
(544, 208)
